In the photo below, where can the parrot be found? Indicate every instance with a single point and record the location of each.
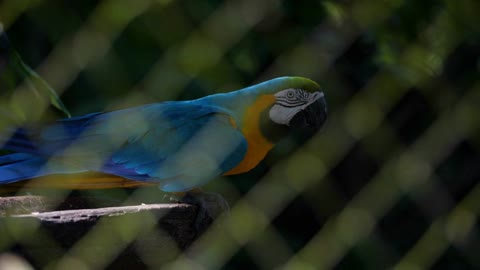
(175, 145)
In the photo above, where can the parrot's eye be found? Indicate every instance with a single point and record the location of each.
(290, 95)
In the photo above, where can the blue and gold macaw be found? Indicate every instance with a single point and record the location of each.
(177, 145)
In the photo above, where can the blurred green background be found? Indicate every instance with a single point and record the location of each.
(392, 180)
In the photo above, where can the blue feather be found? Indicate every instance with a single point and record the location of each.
(19, 141)
(20, 167)
(13, 158)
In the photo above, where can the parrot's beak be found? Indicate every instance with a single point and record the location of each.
(313, 116)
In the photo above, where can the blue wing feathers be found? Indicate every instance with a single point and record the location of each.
(68, 129)
(111, 167)
(137, 143)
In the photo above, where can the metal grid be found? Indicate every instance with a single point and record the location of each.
(360, 117)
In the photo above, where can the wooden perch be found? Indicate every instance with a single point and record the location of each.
(143, 236)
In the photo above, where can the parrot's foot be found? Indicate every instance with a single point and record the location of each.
(210, 206)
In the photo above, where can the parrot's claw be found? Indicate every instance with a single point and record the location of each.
(210, 206)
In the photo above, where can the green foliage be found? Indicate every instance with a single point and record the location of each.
(37, 85)
(15, 73)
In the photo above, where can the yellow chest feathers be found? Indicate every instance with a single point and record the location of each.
(258, 145)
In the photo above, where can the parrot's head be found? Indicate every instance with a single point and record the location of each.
(297, 108)
(294, 110)
(285, 105)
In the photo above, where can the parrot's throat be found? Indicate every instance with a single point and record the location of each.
(258, 144)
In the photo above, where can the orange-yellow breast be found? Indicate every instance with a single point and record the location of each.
(257, 145)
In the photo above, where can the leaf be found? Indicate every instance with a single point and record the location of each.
(38, 84)
(33, 80)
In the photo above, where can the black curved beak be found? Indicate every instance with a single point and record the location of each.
(313, 117)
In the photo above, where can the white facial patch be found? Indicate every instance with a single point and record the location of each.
(289, 102)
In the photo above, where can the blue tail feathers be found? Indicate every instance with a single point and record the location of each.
(19, 166)
(22, 165)
(19, 141)
(33, 149)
